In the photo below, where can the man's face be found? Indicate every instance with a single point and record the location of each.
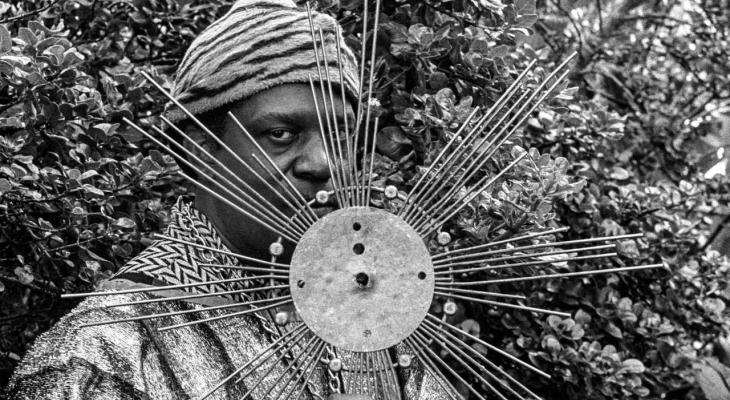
(284, 122)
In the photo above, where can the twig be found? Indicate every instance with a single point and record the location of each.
(29, 14)
(716, 232)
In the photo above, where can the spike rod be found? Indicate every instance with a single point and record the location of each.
(314, 368)
(161, 288)
(273, 348)
(488, 265)
(195, 296)
(424, 343)
(420, 333)
(237, 208)
(489, 346)
(232, 315)
(451, 347)
(283, 351)
(339, 161)
(561, 275)
(285, 267)
(492, 244)
(416, 188)
(481, 160)
(505, 305)
(324, 134)
(255, 173)
(466, 153)
(193, 118)
(311, 344)
(458, 206)
(372, 161)
(486, 361)
(237, 268)
(520, 112)
(392, 388)
(271, 162)
(285, 189)
(541, 245)
(479, 292)
(274, 226)
(168, 314)
(263, 202)
(535, 263)
(311, 363)
(205, 129)
(422, 222)
(468, 139)
(350, 160)
(393, 375)
(432, 369)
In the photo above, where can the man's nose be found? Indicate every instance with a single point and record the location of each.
(311, 163)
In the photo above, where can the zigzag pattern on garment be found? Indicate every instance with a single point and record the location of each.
(175, 263)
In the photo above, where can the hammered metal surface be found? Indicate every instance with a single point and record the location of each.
(362, 279)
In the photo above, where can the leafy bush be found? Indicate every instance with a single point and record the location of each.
(622, 149)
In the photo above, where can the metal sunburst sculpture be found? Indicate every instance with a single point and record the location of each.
(362, 279)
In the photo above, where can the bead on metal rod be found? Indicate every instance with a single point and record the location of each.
(284, 267)
(499, 242)
(263, 200)
(172, 313)
(505, 305)
(263, 219)
(340, 157)
(489, 264)
(560, 275)
(271, 162)
(447, 288)
(539, 246)
(232, 315)
(162, 288)
(195, 296)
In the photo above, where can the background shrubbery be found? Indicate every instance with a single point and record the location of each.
(640, 123)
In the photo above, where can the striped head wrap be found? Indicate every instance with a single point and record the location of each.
(257, 45)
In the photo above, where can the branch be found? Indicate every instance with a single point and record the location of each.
(716, 232)
(30, 14)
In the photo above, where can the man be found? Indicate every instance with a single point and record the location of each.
(254, 62)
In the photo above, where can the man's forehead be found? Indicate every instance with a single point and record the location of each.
(291, 101)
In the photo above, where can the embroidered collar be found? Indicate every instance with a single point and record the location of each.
(167, 262)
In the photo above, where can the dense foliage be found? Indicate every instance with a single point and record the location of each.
(622, 149)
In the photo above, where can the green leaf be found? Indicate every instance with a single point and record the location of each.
(633, 366)
(125, 223)
(6, 41)
(5, 185)
(614, 330)
(712, 383)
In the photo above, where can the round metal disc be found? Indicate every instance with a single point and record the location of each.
(362, 279)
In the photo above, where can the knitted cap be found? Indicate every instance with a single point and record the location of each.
(257, 45)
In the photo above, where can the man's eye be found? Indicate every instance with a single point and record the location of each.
(281, 136)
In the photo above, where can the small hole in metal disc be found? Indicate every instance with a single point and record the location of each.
(358, 248)
(300, 283)
(356, 226)
(422, 275)
(362, 279)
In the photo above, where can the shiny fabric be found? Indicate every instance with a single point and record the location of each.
(132, 360)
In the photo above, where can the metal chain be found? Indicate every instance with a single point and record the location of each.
(334, 376)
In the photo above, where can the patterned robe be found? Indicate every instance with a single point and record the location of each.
(132, 360)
